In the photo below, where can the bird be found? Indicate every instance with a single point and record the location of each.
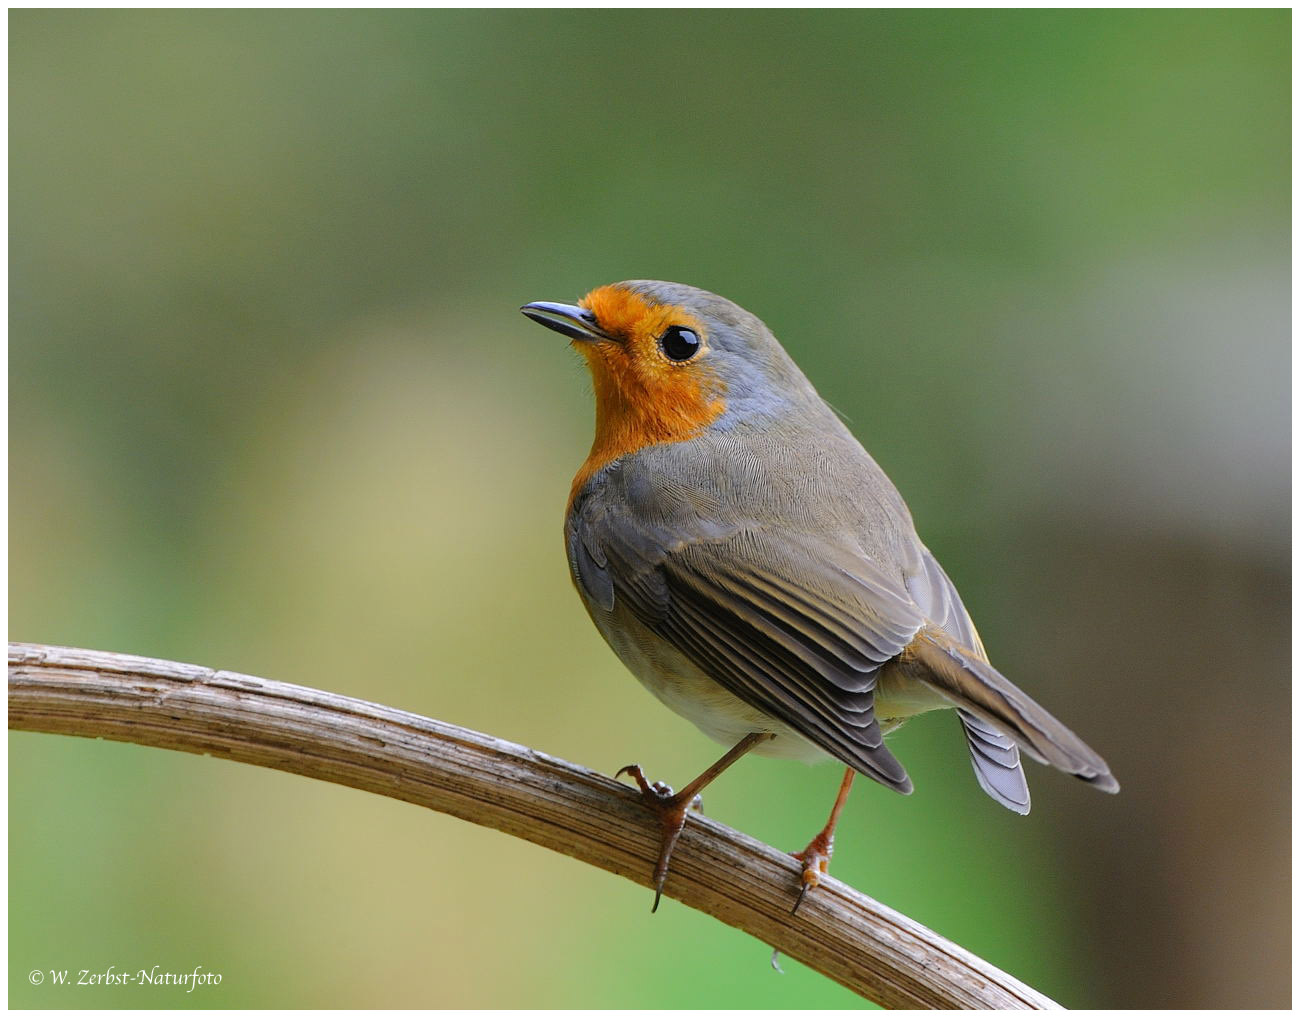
(757, 571)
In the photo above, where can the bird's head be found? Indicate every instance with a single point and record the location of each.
(669, 361)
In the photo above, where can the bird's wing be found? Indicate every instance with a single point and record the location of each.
(792, 625)
(993, 754)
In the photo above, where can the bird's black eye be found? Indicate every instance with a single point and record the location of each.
(679, 344)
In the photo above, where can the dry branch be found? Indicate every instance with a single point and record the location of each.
(854, 940)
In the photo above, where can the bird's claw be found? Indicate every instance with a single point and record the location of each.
(652, 790)
(655, 792)
(671, 809)
(816, 859)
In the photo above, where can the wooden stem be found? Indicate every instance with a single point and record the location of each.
(871, 949)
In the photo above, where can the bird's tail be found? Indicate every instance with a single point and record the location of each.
(978, 688)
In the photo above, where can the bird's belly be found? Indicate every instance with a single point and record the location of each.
(678, 684)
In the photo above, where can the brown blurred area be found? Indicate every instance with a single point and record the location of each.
(1186, 884)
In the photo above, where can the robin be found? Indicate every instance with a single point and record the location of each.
(757, 571)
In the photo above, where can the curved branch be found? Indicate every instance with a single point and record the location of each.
(841, 933)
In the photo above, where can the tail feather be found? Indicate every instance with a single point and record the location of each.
(996, 762)
(979, 690)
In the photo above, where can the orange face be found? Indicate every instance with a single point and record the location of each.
(643, 396)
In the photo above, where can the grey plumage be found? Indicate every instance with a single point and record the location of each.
(767, 572)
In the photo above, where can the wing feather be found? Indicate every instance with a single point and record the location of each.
(798, 633)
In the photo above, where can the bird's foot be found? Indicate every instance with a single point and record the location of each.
(816, 859)
(671, 809)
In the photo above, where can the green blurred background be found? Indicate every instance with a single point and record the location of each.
(273, 409)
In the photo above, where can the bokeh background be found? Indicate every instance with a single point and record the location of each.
(273, 409)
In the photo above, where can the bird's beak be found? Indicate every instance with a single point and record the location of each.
(566, 319)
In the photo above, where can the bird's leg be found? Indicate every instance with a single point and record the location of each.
(672, 807)
(816, 858)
